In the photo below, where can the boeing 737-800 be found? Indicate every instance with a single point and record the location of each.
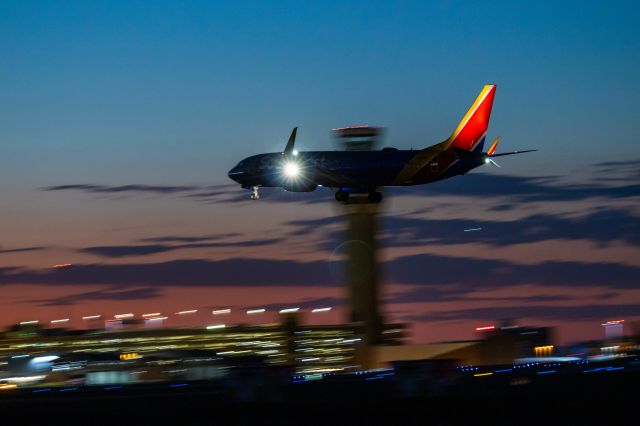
(351, 172)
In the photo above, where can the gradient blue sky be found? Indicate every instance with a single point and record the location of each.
(144, 87)
(175, 93)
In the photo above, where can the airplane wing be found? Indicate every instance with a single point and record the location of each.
(421, 159)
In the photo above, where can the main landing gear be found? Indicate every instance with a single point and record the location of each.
(254, 193)
(343, 196)
(375, 196)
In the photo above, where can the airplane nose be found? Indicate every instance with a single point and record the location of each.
(236, 174)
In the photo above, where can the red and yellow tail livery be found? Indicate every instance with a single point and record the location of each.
(471, 130)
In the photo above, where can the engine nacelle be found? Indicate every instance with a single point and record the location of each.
(300, 186)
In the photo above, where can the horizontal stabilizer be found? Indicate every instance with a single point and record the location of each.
(512, 153)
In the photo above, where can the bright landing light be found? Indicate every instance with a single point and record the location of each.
(291, 170)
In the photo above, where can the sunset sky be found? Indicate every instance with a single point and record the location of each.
(120, 120)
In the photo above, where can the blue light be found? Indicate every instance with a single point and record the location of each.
(546, 372)
(113, 387)
(179, 385)
(42, 390)
(68, 389)
(503, 371)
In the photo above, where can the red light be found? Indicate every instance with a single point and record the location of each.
(485, 328)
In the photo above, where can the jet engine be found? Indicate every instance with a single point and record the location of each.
(298, 186)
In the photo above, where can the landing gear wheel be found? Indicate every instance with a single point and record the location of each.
(254, 194)
(342, 196)
(375, 197)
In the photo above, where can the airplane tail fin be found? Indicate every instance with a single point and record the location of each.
(470, 133)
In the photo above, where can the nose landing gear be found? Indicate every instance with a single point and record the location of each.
(254, 193)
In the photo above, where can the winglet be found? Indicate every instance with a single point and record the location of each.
(474, 124)
(292, 141)
(494, 145)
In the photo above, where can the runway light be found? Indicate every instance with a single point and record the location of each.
(59, 320)
(291, 169)
(155, 314)
(88, 317)
(45, 358)
(482, 374)
(29, 322)
(486, 328)
(128, 356)
(215, 327)
(289, 310)
(156, 319)
(24, 379)
(321, 310)
(255, 311)
(221, 311)
(121, 316)
(8, 386)
(190, 311)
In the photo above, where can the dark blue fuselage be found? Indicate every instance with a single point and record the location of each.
(356, 170)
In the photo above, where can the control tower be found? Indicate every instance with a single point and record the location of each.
(358, 138)
(363, 272)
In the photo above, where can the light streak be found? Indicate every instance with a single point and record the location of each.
(215, 327)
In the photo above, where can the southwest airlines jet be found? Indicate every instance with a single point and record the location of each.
(356, 172)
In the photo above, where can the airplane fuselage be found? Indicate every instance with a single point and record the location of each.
(366, 171)
(357, 171)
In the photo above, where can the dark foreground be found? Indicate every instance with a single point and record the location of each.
(513, 398)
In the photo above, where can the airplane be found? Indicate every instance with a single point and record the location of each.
(363, 172)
